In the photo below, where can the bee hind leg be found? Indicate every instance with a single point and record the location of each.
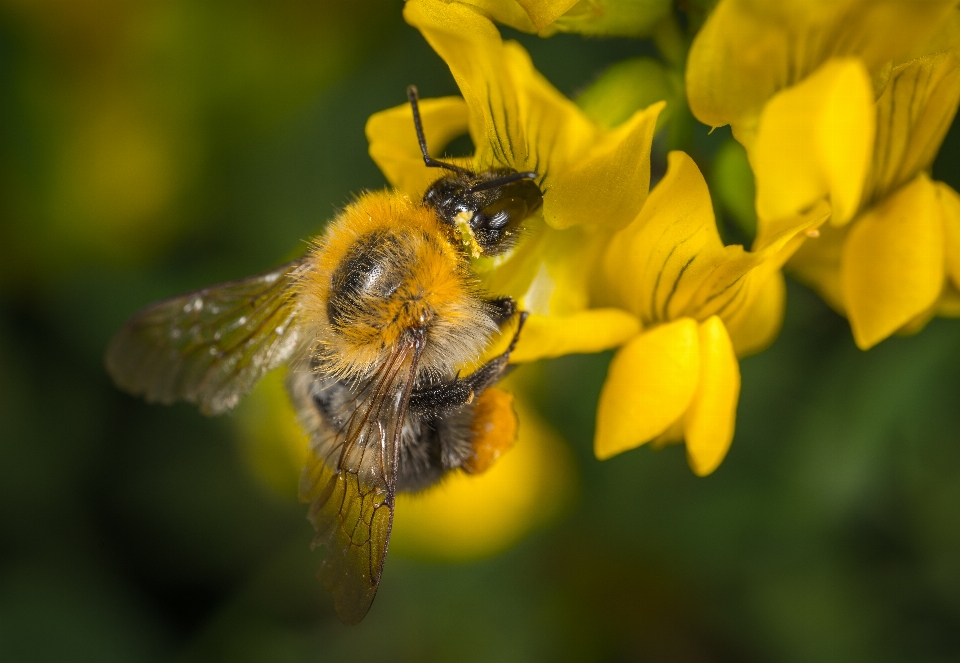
(493, 430)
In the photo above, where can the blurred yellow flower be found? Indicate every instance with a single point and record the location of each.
(855, 119)
(701, 305)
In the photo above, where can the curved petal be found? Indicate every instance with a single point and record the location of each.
(709, 423)
(814, 140)
(748, 50)
(624, 18)
(731, 287)
(505, 12)
(913, 116)
(892, 268)
(544, 12)
(670, 262)
(649, 386)
(620, 18)
(760, 323)
(653, 266)
(393, 141)
(606, 184)
(519, 120)
(592, 330)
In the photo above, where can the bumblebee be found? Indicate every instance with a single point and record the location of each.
(373, 322)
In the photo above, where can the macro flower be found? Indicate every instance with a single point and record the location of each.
(701, 304)
(855, 119)
(595, 179)
(605, 266)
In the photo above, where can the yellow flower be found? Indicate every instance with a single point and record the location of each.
(625, 18)
(595, 179)
(855, 119)
(701, 304)
(596, 274)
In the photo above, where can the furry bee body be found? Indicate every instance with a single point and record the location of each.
(376, 323)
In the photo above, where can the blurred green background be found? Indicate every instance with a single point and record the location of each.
(148, 148)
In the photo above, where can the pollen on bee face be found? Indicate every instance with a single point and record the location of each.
(465, 230)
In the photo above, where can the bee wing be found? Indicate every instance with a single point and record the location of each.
(350, 480)
(210, 346)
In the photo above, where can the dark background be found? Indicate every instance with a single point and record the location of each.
(149, 148)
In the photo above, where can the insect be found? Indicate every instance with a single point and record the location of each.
(373, 322)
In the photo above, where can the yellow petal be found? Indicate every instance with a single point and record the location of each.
(393, 141)
(731, 286)
(913, 115)
(649, 386)
(748, 50)
(622, 18)
(670, 263)
(519, 120)
(653, 266)
(814, 140)
(588, 331)
(709, 423)
(507, 12)
(544, 12)
(473, 516)
(892, 267)
(950, 213)
(551, 271)
(606, 184)
(760, 323)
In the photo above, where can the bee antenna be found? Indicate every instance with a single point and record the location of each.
(500, 181)
(428, 160)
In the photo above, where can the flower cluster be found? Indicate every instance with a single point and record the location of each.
(846, 102)
(610, 264)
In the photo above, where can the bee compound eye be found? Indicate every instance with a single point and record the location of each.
(498, 220)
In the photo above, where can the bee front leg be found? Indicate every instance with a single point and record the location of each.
(501, 309)
(437, 399)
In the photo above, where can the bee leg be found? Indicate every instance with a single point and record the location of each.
(437, 399)
(501, 309)
(493, 430)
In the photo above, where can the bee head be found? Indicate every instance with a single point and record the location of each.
(491, 203)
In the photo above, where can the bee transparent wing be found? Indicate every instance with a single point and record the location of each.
(210, 346)
(350, 482)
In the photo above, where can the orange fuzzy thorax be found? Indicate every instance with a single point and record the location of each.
(430, 286)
